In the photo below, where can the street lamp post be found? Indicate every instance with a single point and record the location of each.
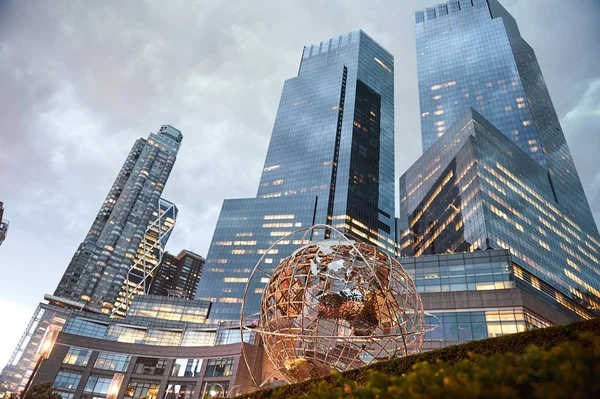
(46, 345)
(212, 393)
(231, 390)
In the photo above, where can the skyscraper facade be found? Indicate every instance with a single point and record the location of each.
(496, 171)
(3, 224)
(120, 253)
(178, 274)
(474, 189)
(330, 160)
(471, 54)
(94, 278)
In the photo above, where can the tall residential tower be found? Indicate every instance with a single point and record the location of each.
(118, 256)
(330, 161)
(94, 278)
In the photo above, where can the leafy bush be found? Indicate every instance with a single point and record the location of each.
(569, 370)
(556, 362)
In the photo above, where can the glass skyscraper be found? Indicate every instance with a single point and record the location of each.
(496, 170)
(474, 189)
(123, 244)
(94, 278)
(330, 161)
(471, 53)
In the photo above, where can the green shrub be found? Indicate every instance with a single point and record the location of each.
(556, 362)
(569, 370)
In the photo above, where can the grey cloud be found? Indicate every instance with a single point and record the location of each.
(81, 81)
(581, 124)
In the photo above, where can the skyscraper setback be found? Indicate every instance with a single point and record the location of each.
(472, 189)
(95, 276)
(330, 161)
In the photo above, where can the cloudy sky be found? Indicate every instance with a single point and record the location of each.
(80, 81)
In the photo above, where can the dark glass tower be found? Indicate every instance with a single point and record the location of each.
(330, 161)
(95, 276)
(496, 171)
(471, 54)
(178, 275)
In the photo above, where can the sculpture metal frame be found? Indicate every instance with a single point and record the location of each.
(400, 307)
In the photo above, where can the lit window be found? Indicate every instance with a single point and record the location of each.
(274, 217)
(230, 300)
(235, 280)
(443, 86)
(280, 233)
(270, 168)
(77, 357)
(526, 123)
(377, 60)
(519, 227)
(277, 225)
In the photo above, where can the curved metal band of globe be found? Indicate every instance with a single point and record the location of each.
(330, 308)
(242, 326)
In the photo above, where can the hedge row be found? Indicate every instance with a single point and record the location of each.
(353, 381)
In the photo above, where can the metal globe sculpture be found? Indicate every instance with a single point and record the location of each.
(337, 305)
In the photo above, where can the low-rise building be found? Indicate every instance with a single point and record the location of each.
(162, 349)
(485, 294)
